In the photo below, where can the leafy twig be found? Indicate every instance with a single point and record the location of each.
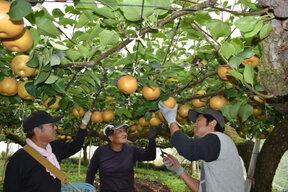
(191, 84)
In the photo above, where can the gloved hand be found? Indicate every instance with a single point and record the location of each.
(154, 131)
(168, 113)
(177, 168)
(87, 117)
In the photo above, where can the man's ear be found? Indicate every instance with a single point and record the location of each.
(37, 131)
(110, 137)
(213, 123)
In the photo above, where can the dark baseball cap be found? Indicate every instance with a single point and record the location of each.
(38, 118)
(109, 129)
(192, 115)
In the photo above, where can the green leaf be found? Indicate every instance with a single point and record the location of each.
(20, 9)
(84, 4)
(237, 44)
(47, 27)
(35, 35)
(161, 3)
(84, 51)
(95, 32)
(57, 13)
(134, 13)
(255, 30)
(58, 46)
(231, 110)
(105, 12)
(227, 50)
(124, 111)
(249, 74)
(236, 74)
(33, 62)
(30, 88)
(245, 111)
(249, 4)
(247, 53)
(246, 24)
(235, 61)
(108, 37)
(51, 79)
(201, 17)
(64, 103)
(218, 28)
(43, 75)
(226, 111)
(55, 60)
(93, 75)
(265, 31)
(67, 21)
(148, 116)
(83, 20)
(72, 55)
(59, 86)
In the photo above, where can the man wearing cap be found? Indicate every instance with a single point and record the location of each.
(24, 173)
(115, 160)
(221, 166)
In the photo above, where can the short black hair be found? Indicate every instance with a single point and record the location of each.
(210, 118)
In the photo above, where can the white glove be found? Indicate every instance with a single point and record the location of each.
(86, 117)
(168, 113)
(173, 166)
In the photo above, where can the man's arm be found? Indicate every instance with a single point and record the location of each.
(173, 128)
(206, 148)
(65, 150)
(12, 176)
(147, 154)
(192, 183)
(92, 169)
(175, 166)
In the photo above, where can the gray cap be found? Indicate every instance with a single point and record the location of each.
(192, 115)
(109, 129)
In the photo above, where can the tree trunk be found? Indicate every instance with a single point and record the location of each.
(85, 159)
(270, 155)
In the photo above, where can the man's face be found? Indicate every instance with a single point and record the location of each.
(48, 132)
(120, 136)
(201, 128)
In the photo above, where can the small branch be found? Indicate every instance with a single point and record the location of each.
(189, 1)
(201, 96)
(170, 44)
(241, 13)
(206, 35)
(209, 41)
(269, 96)
(193, 83)
(71, 81)
(75, 43)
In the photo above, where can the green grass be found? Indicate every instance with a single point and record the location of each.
(165, 177)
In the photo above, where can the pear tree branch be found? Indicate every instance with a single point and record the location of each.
(145, 30)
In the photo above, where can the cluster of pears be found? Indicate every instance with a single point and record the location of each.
(14, 36)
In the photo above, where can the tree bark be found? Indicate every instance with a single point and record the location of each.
(270, 155)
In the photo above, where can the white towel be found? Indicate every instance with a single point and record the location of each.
(50, 156)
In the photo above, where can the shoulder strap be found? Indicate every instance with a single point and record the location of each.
(43, 161)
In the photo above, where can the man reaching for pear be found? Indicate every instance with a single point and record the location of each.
(221, 166)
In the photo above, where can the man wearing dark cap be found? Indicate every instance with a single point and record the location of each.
(115, 160)
(24, 173)
(221, 166)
